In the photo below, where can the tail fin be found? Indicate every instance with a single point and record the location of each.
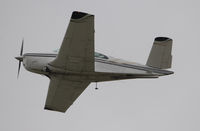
(160, 55)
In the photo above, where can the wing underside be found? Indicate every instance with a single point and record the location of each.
(77, 50)
(76, 54)
(62, 93)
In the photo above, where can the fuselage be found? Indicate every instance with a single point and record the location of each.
(106, 68)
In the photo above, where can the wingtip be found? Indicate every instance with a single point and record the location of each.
(52, 109)
(78, 15)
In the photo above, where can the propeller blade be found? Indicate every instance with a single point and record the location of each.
(19, 69)
(20, 58)
(22, 47)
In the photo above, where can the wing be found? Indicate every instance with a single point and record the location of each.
(62, 93)
(77, 50)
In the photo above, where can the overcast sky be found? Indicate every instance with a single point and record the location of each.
(124, 29)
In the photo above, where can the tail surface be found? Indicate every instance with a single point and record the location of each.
(160, 55)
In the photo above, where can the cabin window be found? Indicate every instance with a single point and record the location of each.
(99, 55)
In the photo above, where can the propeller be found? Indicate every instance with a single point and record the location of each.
(20, 58)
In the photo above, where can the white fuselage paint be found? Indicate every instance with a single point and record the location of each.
(105, 69)
(36, 64)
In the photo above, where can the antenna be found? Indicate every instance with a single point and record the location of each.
(96, 88)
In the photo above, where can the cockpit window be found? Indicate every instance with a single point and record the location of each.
(56, 51)
(99, 55)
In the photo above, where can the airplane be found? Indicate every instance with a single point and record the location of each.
(76, 64)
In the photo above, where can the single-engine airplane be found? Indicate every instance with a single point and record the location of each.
(76, 64)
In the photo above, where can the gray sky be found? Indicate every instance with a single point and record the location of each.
(124, 29)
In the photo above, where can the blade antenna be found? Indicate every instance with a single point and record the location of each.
(96, 88)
